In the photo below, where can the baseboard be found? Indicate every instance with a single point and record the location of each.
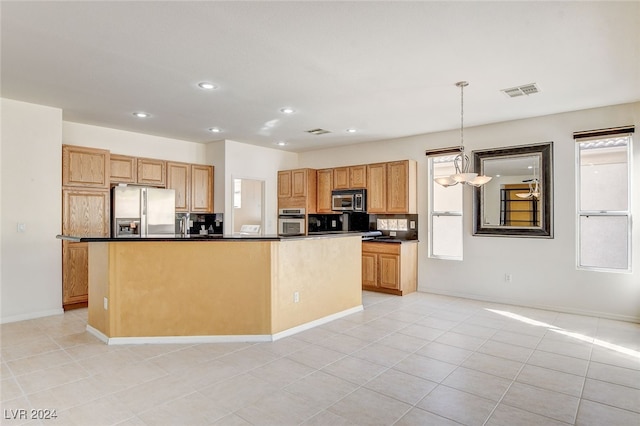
(31, 315)
(553, 308)
(257, 338)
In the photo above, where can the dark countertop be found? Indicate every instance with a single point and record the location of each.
(208, 237)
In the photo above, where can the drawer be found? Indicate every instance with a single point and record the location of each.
(386, 248)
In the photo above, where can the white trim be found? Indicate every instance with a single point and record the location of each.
(32, 315)
(252, 338)
(315, 323)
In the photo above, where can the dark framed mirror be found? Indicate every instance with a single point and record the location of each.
(518, 201)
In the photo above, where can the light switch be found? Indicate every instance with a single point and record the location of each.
(22, 227)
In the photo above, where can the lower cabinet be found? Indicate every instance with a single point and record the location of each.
(75, 274)
(390, 267)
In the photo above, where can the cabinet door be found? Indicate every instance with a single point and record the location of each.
(398, 187)
(284, 184)
(201, 188)
(377, 188)
(75, 272)
(389, 265)
(152, 172)
(341, 178)
(369, 269)
(299, 183)
(325, 184)
(358, 176)
(179, 179)
(85, 167)
(123, 169)
(85, 212)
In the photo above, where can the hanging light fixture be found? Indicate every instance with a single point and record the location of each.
(534, 188)
(461, 161)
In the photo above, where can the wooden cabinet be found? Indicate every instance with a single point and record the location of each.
(401, 187)
(152, 172)
(201, 189)
(391, 187)
(390, 267)
(324, 188)
(85, 212)
(377, 188)
(85, 167)
(358, 177)
(297, 189)
(352, 177)
(123, 169)
(75, 274)
(179, 179)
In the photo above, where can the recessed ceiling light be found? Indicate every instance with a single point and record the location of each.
(207, 86)
(287, 110)
(351, 130)
(141, 114)
(281, 143)
(214, 129)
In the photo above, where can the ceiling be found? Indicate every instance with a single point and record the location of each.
(386, 69)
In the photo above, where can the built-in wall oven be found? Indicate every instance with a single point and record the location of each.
(291, 222)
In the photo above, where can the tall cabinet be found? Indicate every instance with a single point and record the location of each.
(85, 212)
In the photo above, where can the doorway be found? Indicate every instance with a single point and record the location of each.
(248, 206)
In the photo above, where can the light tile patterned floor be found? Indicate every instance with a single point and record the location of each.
(421, 359)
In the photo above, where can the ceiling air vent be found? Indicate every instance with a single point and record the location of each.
(527, 89)
(318, 131)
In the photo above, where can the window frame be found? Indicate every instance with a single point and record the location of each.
(599, 136)
(435, 213)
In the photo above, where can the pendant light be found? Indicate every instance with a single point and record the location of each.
(461, 161)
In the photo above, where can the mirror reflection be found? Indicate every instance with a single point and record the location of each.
(517, 201)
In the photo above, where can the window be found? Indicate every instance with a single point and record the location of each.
(445, 211)
(604, 202)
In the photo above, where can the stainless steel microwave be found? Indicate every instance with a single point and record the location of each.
(349, 200)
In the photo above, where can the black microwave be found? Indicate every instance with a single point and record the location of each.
(349, 200)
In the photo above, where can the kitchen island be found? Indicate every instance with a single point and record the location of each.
(219, 288)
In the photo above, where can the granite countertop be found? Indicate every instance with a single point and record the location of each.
(208, 237)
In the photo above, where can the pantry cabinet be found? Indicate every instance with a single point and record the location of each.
(85, 213)
(390, 267)
(123, 169)
(297, 189)
(85, 167)
(152, 172)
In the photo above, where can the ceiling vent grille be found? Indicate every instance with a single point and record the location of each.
(318, 131)
(527, 89)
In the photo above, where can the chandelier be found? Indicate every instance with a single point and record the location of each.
(461, 161)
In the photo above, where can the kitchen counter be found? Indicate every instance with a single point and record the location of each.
(209, 237)
(226, 288)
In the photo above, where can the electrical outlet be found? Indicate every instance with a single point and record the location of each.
(296, 297)
(105, 303)
(507, 278)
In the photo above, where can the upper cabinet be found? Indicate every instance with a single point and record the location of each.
(85, 167)
(193, 184)
(179, 179)
(352, 177)
(324, 188)
(297, 189)
(152, 172)
(123, 169)
(201, 189)
(391, 187)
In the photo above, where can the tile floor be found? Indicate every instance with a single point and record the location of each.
(421, 359)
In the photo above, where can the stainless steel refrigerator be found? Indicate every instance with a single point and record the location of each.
(142, 212)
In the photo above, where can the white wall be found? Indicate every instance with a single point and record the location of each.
(243, 161)
(543, 270)
(134, 144)
(31, 175)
